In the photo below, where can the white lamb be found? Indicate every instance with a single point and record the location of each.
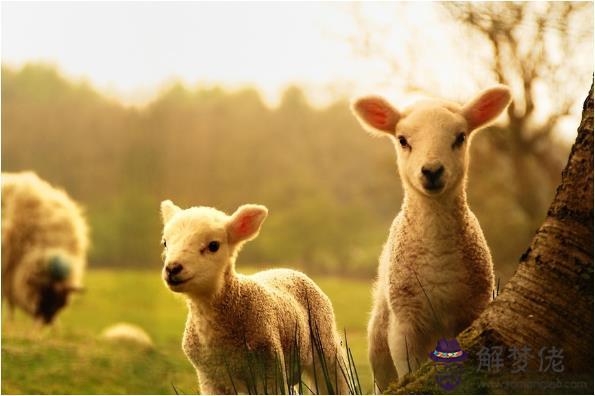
(44, 245)
(435, 273)
(127, 333)
(243, 332)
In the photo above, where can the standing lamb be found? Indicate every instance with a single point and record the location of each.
(435, 273)
(44, 245)
(242, 331)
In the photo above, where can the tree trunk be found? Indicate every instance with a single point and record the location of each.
(547, 303)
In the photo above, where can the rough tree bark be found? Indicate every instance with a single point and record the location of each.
(549, 300)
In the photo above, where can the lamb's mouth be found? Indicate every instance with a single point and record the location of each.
(433, 188)
(176, 282)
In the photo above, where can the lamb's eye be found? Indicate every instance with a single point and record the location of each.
(164, 243)
(213, 246)
(403, 142)
(460, 139)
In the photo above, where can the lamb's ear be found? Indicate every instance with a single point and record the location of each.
(486, 106)
(376, 115)
(245, 223)
(168, 210)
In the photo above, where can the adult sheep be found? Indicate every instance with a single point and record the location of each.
(44, 245)
(247, 334)
(435, 274)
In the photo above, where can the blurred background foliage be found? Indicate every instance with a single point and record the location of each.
(331, 189)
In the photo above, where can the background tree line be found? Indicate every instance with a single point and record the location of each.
(332, 190)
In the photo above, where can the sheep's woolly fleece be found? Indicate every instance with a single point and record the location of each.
(38, 222)
(435, 273)
(246, 322)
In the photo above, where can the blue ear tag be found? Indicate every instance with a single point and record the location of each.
(58, 268)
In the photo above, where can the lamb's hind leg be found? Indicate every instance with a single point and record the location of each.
(336, 369)
(409, 347)
(378, 349)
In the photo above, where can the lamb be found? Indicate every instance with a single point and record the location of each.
(44, 246)
(435, 273)
(243, 331)
(127, 333)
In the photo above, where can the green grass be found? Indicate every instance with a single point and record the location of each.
(70, 358)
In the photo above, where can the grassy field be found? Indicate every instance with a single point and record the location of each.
(71, 358)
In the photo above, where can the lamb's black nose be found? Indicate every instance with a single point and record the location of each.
(173, 269)
(432, 174)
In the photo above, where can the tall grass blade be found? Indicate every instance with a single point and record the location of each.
(351, 379)
(353, 368)
(407, 354)
(344, 372)
(308, 388)
(427, 297)
(287, 369)
(336, 374)
(322, 359)
(235, 391)
(312, 346)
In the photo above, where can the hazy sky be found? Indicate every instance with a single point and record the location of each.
(130, 50)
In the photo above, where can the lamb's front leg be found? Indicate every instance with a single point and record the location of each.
(209, 386)
(382, 364)
(409, 347)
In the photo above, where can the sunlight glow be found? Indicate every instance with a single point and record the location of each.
(131, 51)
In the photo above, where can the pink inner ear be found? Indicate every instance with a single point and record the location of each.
(377, 114)
(245, 225)
(486, 109)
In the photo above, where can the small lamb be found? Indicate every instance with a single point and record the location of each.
(242, 330)
(435, 273)
(127, 333)
(44, 245)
